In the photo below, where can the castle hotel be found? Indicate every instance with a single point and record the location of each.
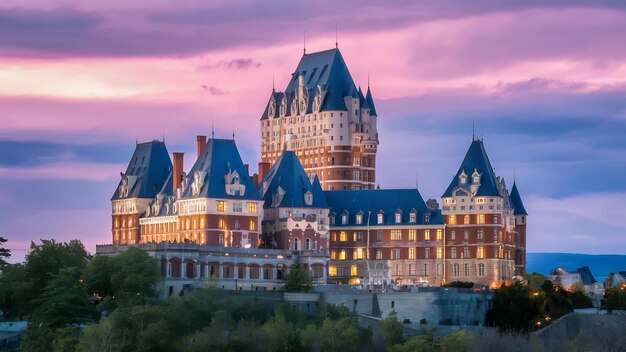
(313, 203)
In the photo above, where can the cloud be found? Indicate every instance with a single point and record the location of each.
(66, 171)
(237, 64)
(213, 90)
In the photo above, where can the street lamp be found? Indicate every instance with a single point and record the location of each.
(367, 257)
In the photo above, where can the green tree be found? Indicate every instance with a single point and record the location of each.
(344, 334)
(297, 280)
(15, 291)
(422, 343)
(459, 341)
(393, 329)
(97, 275)
(5, 253)
(136, 274)
(517, 307)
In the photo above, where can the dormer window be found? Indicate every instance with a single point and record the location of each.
(426, 219)
(463, 178)
(344, 219)
(308, 198)
(379, 218)
(359, 219)
(398, 217)
(412, 217)
(476, 179)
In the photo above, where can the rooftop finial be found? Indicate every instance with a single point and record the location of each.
(273, 87)
(336, 37)
(304, 43)
(233, 133)
(212, 129)
(473, 131)
(368, 79)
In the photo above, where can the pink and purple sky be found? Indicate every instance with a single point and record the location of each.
(544, 83)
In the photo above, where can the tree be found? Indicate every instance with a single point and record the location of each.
(5, 253)
(393, 329)
(422, 343)
(516, 307)
(136, 274)
(297, 280)
(459, 341)
(97, 275)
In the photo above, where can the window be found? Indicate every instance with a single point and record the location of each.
(466, 269)
(480, 234)
(359, 219)
(465, 235)
(398, 218)
(495, 218)
(396, 235)
(453, 235)
(221, 239)
(453, 253)
(465, 252)
(411, 253)
(398, 272)
(220, 206)
(439, 253)
(426, 269)
(426, 219)
(426, 253)
(307, 244)
(342, 254)
(481, 269)
(481, 218)
(455, 270)
(379, 254)
(439, 234)
(333, 255)
(354, 271)
(380, 219)
(452, 219)
(237, 208)
(252, 225)
(357, 236)
(466, 220)
(395, 253)
(343, 236)
(412, 218)
(480, 253)
(439, 269)
(344, 219)
(358, 254)
(220, 223)
(332, 270)
(426, 235)
(412, 235)
(379, 235)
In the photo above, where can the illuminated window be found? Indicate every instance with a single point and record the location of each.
(481, 218)
(439, 253)
(412, 235)
(220, 206)
(452, 219)
(481, 269)
(358, 254)
(495, 218)
(344, 219)
(379, 254)
(380, 219)
(426, 235)
(396, 235)
(333, 255)
(343, 236)
(426, 253)
(398, 218)
(332, 270)
(412, 218)
(252, 208)
(252, 225)
(342, 254)
(201, 223)
(359, 219)
(466, 219)
(439, 234)
(354, 271)
(480, 253)
(220, 223)
(411, 253)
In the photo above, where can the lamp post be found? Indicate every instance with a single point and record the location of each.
(367, 256)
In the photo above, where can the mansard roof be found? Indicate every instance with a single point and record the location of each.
(586, 276)
(218, 166)
(476, 159)
(288, 174)
(370, 102)
(147, 172)
(516, 199)
(381, 201)
(326, 70)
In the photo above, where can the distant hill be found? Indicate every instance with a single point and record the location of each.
(601, 265)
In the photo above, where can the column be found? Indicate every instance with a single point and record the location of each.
(206, 271)
(198, 270)
(183, 272)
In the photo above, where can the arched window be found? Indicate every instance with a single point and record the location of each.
(296, 244)
(307, 244)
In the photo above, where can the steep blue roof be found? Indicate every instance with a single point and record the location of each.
(476, 159)
(516, 199)
(328, 70)
(586, 276)
(219, 158)
(147, 172)
(288, 174)
(389, 201)
(370, 102)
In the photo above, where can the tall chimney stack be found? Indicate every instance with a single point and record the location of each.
(201, 144)
(264, 168)
(178, 170)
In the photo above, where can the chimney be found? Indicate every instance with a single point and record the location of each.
(247, 166)
(178, 170)
(264, 168)
(201, 144)
(255, 180)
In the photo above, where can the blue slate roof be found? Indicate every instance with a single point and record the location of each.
(586, 276)
(149, 167)
(288, 174)
(516, 199)
(328, 70)
(387, 201)
(218, 158)
(476, 159)
(370, 102)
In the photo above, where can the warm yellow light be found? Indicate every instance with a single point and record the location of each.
(535, 294)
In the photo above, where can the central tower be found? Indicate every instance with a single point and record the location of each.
(326, 121)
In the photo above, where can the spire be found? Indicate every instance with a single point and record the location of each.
(304, 44)
(273, 87)
(336, 38)
(212, 130)
(516, 199)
